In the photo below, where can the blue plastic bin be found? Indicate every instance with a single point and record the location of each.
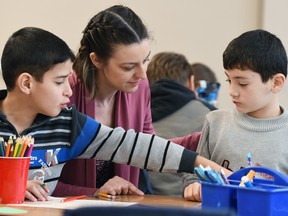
(265, 198)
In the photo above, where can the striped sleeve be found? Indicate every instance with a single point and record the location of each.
(140, 150)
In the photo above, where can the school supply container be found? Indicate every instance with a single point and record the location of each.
(265, 198)
(13, 179)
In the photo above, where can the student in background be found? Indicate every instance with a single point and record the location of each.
(176, 111)
(206, 84)
(256, 68)
(39, 82)
(202, 72)
(172, 96)
(110, 85)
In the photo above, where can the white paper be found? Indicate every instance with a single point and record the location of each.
(54, 202)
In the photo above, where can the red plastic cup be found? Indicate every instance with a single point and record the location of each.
(13, 179)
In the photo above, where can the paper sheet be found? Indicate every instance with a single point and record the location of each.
(55, 203)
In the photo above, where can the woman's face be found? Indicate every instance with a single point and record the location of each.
(126, 68)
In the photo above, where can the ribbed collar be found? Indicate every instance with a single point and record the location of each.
(261, 125)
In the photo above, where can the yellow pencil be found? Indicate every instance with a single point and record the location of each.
(15, 149)
(106, 195)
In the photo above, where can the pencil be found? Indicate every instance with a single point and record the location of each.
(2, 149)
(7, 149)
(24, 147)
(106, 195)
(11, 150)
(15, 150)
(73, 198)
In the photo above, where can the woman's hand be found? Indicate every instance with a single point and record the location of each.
(117, 186)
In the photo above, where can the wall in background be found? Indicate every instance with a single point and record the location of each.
(201, 30)
(275, 20)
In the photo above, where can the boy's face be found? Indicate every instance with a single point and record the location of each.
(52, 94)
(249, 94)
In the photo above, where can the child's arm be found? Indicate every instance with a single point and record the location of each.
(36, 191)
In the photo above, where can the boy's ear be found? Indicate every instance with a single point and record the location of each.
(278, 82)
(191, 84)
(24, 82)
(95, 60)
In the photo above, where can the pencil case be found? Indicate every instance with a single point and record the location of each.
(265, 198)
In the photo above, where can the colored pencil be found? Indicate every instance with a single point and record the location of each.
(68, 199)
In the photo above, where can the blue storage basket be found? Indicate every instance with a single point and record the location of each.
(265, 198)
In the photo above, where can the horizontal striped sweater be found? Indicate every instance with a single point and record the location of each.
(72, 134)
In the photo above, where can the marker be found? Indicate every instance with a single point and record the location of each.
(246, 181)
(213, 176)
(250, 176)
(223, 176)
(68, 199)
(249, 159)
(200, 173)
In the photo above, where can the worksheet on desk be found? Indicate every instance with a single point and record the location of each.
(54, 202)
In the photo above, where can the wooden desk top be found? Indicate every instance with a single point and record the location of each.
(152, 200)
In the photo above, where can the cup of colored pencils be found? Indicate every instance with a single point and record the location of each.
(14, 165)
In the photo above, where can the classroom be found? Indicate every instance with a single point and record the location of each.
(200, 30)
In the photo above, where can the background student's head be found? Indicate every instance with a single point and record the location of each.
(170, 65)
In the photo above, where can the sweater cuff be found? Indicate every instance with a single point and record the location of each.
(187, 163)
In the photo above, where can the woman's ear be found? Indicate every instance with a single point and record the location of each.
(24, 83)
(278, 82)
(95, 60)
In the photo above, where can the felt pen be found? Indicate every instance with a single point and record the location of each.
(246, 181)
(249, 159)
(200, 173)
(73, 198)
(223, 176)
(250, 176)
(213, 176)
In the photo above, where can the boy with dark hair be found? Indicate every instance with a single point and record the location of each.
(256, 68)
(36, 65)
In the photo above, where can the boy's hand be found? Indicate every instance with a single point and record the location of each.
(193, 192)
(35, 192)
(117, 186)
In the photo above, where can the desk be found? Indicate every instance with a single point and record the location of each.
(152, 200)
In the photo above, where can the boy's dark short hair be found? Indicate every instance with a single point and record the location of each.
(32, 50)
(259, 51)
